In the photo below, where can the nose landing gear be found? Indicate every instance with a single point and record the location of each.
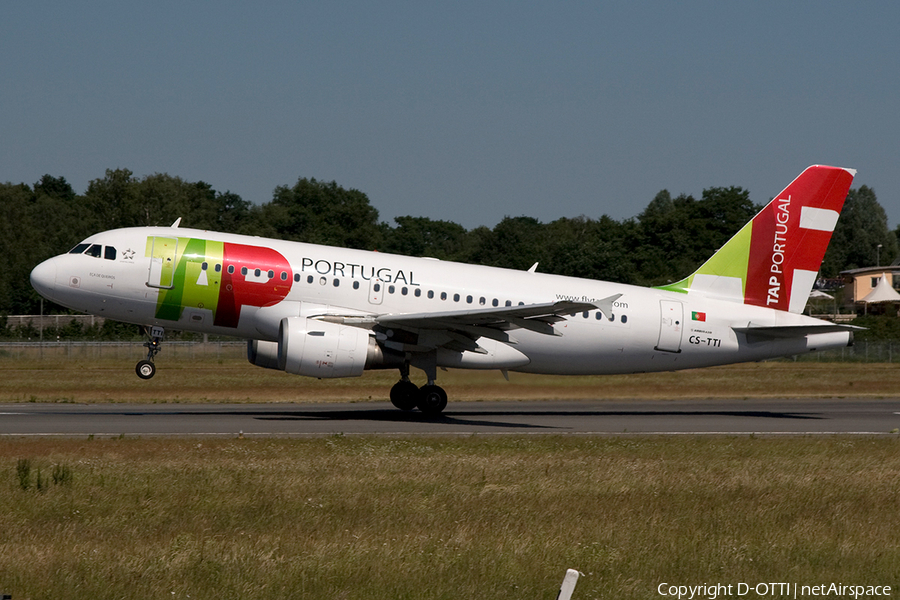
(145, 369)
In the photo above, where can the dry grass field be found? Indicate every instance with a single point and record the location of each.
(422, 518)
(228, 377)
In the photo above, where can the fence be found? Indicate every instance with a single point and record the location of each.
(120, 350)
(871, 352)
(860, 351)
(57, 321)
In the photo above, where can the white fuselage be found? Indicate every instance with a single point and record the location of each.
(647, 329)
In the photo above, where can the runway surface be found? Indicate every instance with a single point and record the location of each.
(774, 417)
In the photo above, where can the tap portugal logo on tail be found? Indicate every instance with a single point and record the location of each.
(219, 277)
(773, 260)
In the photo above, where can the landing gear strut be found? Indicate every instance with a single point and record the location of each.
(145, 369)
(431, 399)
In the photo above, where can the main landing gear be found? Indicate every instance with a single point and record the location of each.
(431, 399)
(145, 369)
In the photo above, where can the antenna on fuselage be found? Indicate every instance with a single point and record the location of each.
(176, 223)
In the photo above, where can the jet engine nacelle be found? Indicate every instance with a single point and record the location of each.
(320, 349)
(262, 353)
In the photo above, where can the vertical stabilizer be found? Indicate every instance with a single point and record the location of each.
(774, 259)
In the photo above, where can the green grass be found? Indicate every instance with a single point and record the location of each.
(478, 517)
(230, 378)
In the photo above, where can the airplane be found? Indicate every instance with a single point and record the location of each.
(330, 312)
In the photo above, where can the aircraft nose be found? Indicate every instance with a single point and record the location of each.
(43, 277)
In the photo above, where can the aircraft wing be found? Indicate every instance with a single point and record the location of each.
(460, 330)
(534, 317)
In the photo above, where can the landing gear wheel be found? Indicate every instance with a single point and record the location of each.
(432, 399)
(145, 369)
(405, 395)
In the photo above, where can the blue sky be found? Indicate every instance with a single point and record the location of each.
(466, 111)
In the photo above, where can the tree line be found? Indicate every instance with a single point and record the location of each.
(668, 240)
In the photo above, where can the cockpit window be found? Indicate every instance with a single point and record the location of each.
(109, 253)
(79, 249)
(94, 250)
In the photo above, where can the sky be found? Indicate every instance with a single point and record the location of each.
(460, 111)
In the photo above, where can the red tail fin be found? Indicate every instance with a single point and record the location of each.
(790, 237)
(773, 260)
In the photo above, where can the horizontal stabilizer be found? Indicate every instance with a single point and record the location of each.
(794, 331)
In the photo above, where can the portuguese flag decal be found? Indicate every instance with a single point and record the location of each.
(698, 316)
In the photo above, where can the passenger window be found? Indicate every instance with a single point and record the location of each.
(336, 282)
(79, 249)
(204, 266)
(309, 279)
(509, 303)
(482, 301)
(218, 268)
(586, 314)
(231, 269)
(355, 285)
(377, 287)
(624, 319)
(456, 297)
(443, 295)
(257, 272)
(109, 253)
(271, 274)
(94, 250)
(418, 292)
(430, 294)
(284, 275)
(599, 315)
(404, 290)
(469, 299)
(391, 289)
(496, 302)
(244, 271)
(297, 277)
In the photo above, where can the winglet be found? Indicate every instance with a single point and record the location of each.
(605, 305)
(774, 259)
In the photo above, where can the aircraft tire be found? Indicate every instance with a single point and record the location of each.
(405, 395)
(432, 399)
(145, 369)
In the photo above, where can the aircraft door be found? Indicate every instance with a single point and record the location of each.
(671, 326)
(376, 291)
(162, 262)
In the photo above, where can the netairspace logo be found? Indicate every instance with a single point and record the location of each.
(712, 591)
